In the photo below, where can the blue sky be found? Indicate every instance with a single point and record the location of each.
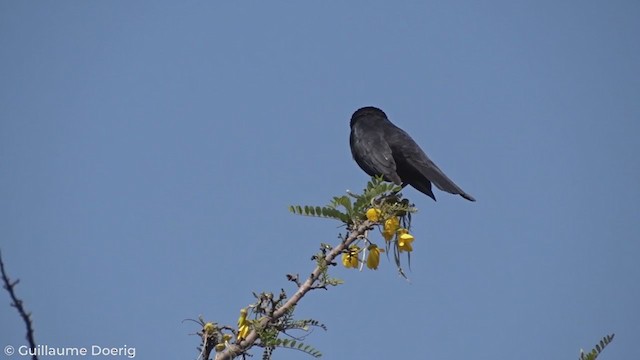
(149, 151)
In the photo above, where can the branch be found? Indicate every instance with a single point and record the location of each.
(17, 303)
(237, 349)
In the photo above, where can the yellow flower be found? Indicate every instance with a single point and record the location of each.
(209, 328)
(225, 340)
(350, 257)
(390, 227)
(373, 215)
(243, 325)
(243, 331)
(404, 240)
(243, 317)
(374, 256)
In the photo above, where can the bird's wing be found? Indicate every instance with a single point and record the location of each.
(413, 156)
(373, 154)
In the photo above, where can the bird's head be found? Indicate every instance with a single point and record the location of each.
(367, 112)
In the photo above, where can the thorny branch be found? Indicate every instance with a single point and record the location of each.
(17, 303)
(236, 349)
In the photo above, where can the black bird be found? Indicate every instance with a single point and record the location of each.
(381, 148)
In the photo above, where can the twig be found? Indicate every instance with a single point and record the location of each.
(17, 303)
(236, 349)
(294, 278)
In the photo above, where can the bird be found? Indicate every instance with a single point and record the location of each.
(381, 148)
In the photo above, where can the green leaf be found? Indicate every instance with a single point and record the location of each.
(595, 352)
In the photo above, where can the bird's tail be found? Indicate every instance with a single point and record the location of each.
(467, 196)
